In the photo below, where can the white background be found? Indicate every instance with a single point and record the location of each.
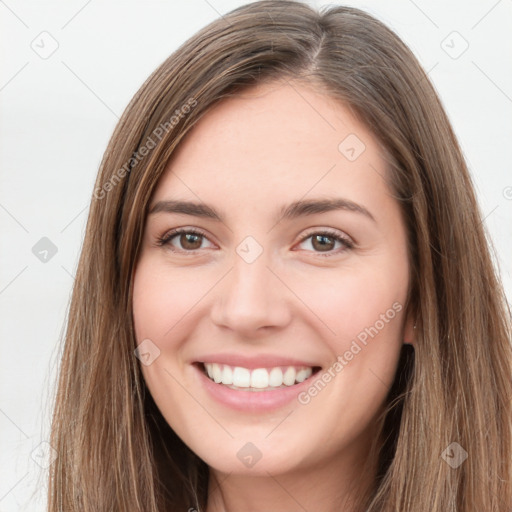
(58, 113)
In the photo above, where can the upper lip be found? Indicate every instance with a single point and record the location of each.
(252, 362)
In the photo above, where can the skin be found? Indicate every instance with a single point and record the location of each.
(248, 157)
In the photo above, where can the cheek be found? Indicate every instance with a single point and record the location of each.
(349, 301)
(161, 299)
(361, 312)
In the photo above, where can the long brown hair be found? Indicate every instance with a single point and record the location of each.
(115, 450)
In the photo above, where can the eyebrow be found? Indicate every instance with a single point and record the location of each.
(292, 211)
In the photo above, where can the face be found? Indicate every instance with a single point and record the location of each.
(274, 258)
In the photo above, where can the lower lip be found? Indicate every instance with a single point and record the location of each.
(252, 401)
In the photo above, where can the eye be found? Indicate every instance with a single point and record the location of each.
(326, 241)
(189, 240)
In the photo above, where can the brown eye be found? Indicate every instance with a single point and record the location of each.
(327, 242)
(190, 241)
(323, 243)
(183, 240)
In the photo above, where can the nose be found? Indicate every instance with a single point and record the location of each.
(251, 298)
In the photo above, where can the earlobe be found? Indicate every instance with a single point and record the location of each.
(409, 329)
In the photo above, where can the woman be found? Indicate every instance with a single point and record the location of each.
(285, 298)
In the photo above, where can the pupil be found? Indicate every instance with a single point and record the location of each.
(190, 239)
(322, 239)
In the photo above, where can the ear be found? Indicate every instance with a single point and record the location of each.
(409, 329)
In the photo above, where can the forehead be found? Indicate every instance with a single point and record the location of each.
(273, 143)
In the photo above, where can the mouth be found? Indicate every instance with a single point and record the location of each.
(256, 379)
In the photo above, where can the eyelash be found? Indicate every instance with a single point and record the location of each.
(345, 241)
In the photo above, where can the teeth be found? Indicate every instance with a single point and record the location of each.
(302, 375)
(275, 378)
(257, 379)
(227, 375)
(241, 377)
(217, 373)
(289, 376)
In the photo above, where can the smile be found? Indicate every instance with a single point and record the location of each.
(256, 384)
(257, 379)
